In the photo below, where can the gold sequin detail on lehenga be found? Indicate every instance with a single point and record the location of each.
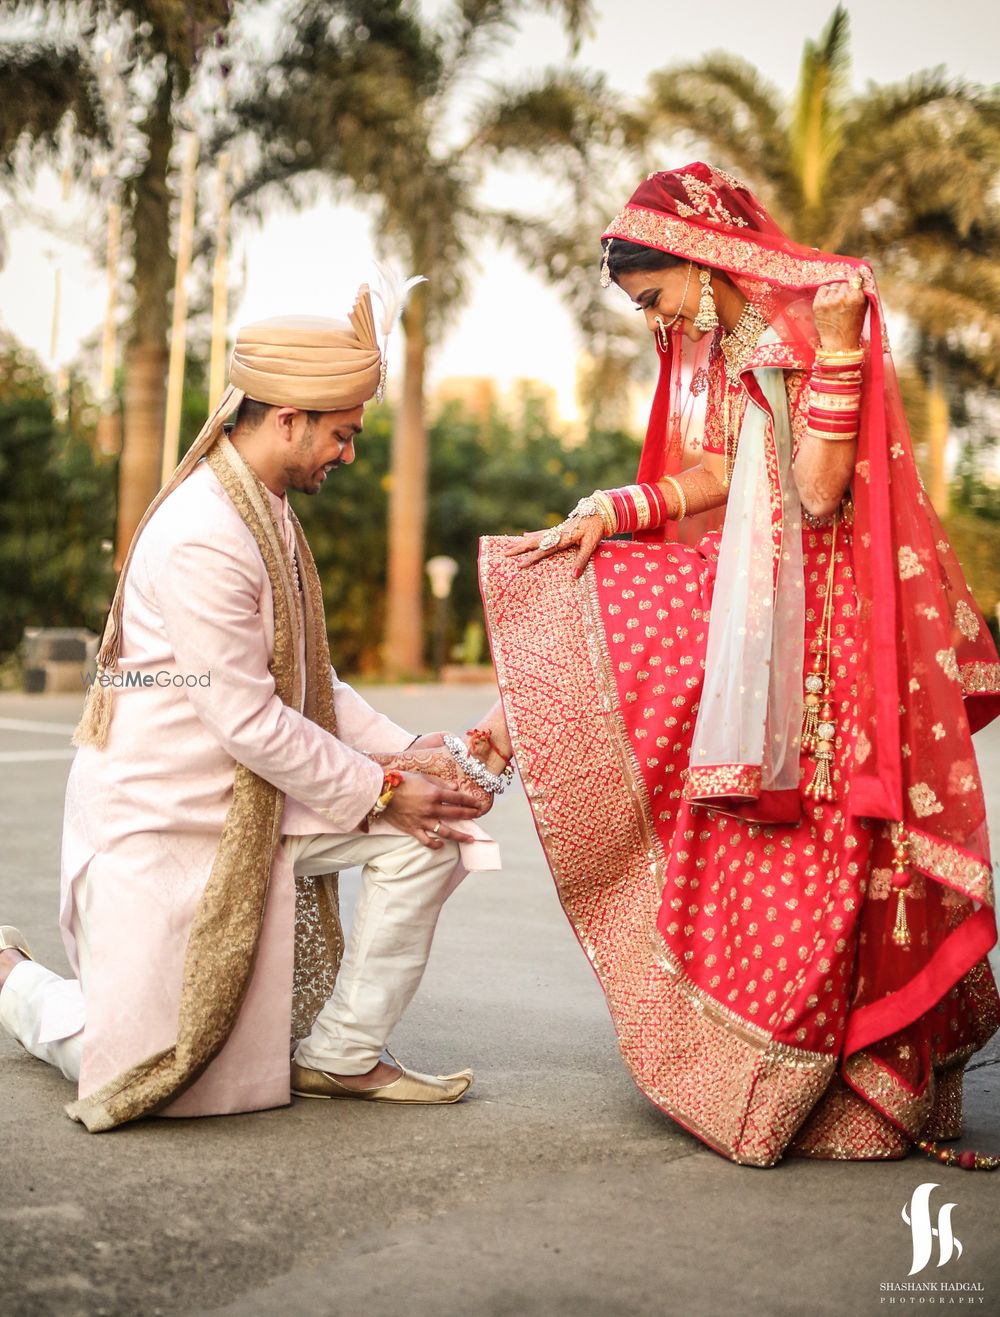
(945, 1120)
(844, 1128)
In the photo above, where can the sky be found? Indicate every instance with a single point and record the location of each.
(311, 261)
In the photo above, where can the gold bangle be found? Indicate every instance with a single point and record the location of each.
(845, 356)
(828, 437)
(681, 499)
(606, 510)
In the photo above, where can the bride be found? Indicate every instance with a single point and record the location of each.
(748, 752)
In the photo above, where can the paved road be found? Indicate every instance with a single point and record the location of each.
(554, 1190)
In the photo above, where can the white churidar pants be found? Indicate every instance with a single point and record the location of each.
(403, 887)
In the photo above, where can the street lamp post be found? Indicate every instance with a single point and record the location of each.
(441, 571)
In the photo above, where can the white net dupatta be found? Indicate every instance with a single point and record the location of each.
(749, 722)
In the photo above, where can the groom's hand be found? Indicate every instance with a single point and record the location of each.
(429, 811)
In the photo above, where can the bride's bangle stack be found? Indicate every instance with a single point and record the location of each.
(633, 507)
(835, 396)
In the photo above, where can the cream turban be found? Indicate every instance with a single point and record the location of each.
(309, 361)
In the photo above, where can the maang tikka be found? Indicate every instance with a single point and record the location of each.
(707, 318)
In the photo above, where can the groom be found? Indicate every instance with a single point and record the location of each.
(213, 797)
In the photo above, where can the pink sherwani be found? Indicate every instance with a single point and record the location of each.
(144, 814)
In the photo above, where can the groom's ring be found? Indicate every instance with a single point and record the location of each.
(436, 828)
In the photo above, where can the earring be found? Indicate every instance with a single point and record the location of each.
(606, 266)
(707, 317)
(662, 335)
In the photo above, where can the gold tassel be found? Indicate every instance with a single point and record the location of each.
(821, 786)
(95, 722)
(900, 881)
(819, 729)
(901, 929)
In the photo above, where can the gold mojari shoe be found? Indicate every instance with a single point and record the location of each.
(12, 939)
(407, 1088)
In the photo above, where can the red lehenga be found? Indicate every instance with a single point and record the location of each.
(771, 987)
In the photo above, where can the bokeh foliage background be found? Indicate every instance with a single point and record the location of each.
(497, 475)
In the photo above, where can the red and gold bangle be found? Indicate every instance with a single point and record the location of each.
(835, 402)
(642, 509)
(818, 426)
(835, 372)
(661, 513)
(625, 515)
(836, 385)
(626, 511)
(836, 416)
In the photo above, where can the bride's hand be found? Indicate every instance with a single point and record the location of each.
(839, 315)
(582, 533)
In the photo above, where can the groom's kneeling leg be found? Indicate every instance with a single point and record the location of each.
(29, 999)
(403, 889)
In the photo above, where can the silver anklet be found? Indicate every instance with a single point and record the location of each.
(494, 783)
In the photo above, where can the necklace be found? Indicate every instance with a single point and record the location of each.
(739, 344)
(737, 348)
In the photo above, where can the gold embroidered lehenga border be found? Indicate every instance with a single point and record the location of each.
(719, 1076)
(722, 780)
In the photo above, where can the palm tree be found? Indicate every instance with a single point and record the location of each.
(381, 115)
(904, 174)
(56, 73)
